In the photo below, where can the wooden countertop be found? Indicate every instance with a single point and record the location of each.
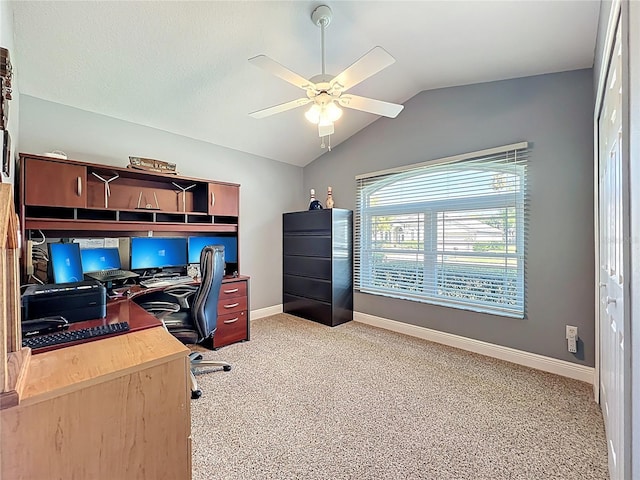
(59, 372)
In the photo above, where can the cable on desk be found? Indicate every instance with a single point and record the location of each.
(39, 260)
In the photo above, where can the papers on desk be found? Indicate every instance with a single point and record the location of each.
(97, 242)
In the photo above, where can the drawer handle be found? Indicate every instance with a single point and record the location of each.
(213, 199)
(79, 186)
(232, 305)
(233, 320)
(232, 291)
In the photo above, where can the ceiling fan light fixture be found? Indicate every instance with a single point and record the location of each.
(333, 112)
(313, 114)
(323, 114)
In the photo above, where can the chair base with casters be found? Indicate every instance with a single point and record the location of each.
(174, 319)
(196, 360)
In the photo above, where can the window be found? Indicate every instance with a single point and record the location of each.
(449, 232)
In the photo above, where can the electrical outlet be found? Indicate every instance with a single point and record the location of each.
(572, 338)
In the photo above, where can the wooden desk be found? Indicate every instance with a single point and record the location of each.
(116, 408)
(120, 310)
(233, 310)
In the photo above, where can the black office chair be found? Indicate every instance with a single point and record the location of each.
(190, 313)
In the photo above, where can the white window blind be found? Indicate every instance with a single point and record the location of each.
(450, 232)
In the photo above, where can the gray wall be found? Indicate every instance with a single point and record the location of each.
(268, 188)
(554, 112)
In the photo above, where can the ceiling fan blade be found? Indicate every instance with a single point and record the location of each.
(370, 105)
(283, 107)
(281, 71)
(326, 129)
(369, 64)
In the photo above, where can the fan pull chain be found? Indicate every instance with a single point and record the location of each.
(328, 144)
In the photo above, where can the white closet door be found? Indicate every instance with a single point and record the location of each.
(612, 211)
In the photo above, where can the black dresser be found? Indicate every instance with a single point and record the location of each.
(317, 265)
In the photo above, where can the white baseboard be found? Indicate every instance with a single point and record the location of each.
(527, 359)
(265, 312)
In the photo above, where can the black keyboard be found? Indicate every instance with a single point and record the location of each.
(68, 336)
(106, 275)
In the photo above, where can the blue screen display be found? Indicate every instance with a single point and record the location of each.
(158, 252)
(196, 244)
(66, 264)
(98, 259)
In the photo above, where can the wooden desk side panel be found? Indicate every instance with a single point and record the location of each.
(133, 427)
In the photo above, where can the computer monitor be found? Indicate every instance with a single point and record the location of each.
(65, 263)
(158, 252)
(100, 259)
(196, 244)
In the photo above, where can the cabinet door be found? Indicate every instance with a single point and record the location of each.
(55, 184)
(223, 199)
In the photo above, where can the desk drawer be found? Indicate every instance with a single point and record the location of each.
(232, 327)
(233, 289)
(232, 305)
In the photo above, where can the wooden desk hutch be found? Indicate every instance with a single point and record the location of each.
(65, 198)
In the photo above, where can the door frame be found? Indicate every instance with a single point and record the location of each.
(632, 12)
(614, 15)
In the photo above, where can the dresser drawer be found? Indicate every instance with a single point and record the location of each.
(307, 308)
(231, 305)
(314, 267)
(315, 221)
(308, 287)
(233, 289)
(307, 245)
(232, 327)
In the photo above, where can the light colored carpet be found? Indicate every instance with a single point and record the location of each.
(305, 401)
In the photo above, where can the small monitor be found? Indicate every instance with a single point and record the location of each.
(196, 244)
(158, 252)
(65, 262)
(100, 259)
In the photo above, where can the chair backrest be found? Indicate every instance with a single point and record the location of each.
(204, 306)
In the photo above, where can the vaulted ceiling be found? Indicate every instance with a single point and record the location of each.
(182, 66)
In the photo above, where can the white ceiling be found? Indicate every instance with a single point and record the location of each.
(182, 66)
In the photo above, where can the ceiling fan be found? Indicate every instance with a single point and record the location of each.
(327, 93)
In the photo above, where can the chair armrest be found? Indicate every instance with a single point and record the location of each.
(160, 309)
(182, 293)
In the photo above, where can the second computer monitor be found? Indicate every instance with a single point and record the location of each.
(100, 259)
(65, 263)
(158, 252)
(196, 244)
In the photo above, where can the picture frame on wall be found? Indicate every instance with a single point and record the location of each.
(6, 153)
